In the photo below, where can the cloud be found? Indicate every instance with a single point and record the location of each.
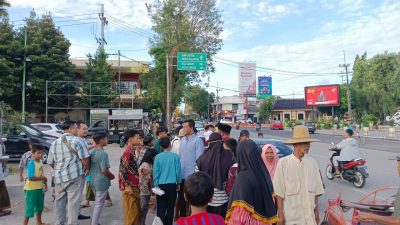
(373, 33)
(244, 4)
(132, 12)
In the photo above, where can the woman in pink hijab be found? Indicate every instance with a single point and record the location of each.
(270, 157)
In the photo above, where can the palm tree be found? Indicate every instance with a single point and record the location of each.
(3, 5)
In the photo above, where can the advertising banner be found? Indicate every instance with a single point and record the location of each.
(247, 79)
(326, 95)
(264, 87)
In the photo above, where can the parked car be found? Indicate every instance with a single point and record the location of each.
(283, 149)
(310, 125)
(277, 125)
(17, 143)
(49, 128)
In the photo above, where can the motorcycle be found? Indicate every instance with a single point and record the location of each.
(258, 127)
(122, 141)
(353, 171)
(238, 126)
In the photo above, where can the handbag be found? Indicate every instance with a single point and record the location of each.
(89, 193)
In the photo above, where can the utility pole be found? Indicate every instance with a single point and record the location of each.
(103, 22)
(217, 108)
(168, 105)
(346, 66)
(24, 78)
(119, 78)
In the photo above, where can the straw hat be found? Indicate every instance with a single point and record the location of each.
(300, 135)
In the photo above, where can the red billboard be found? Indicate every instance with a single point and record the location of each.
(319, 96)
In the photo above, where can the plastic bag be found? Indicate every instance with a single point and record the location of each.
(157, 221)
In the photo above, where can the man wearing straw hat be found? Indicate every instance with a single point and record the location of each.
(297, 198)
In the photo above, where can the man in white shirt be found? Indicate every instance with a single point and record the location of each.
(297, 183)
(4, 197)
(176, 142)
(348, 150)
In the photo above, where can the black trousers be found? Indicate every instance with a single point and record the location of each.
(219, 210)
(181, 201)
(166, 203)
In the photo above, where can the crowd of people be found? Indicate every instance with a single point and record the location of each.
(219, 180)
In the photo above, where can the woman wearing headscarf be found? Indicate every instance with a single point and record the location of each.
(270, 157)
(216, 162)
(246, 204)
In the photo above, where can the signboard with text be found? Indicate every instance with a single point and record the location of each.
(264, 87)
(247, 79)
(192, 61)
(320, 96)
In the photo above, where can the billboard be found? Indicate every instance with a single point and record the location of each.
(247, 79)
(326, 95)
(264, 87)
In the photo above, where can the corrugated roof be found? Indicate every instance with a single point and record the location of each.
(290, 104)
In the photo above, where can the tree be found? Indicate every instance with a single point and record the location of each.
(48, 53)
(10, 67)
(375, 85)
(97, 68)
(3, 5)
(180, 25)
(199, 99)
(266, 108)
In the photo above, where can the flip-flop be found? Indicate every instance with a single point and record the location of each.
(108, 204)
(85, 206)
(5, 213)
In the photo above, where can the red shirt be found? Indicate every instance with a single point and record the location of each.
(128, 170)
(203, 218)
(224, 138)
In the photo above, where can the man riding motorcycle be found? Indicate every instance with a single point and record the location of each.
(348, 150)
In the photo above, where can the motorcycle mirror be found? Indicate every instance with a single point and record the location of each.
(332, 143)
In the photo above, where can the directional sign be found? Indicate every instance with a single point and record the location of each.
(192, 61)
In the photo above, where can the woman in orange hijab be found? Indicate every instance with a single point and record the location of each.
(270, 157)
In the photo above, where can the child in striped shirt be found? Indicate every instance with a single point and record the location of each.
(199, 190)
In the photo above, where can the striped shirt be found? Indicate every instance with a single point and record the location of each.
(67, 166)
(219, 198)
(203, 218)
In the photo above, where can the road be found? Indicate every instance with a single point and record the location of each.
(382, 173)
(373, 144)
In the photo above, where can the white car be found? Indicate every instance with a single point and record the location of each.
(49, 128)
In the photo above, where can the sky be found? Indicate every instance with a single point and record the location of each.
(306, 39)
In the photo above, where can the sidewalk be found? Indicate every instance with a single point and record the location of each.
(374, 134)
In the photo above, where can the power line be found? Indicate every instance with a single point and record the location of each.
(130, 29)
(132, 26)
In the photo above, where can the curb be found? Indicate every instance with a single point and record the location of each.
(368, 137)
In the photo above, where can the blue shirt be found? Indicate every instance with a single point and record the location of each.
(190, 149)
(98, 162)
(167, 169)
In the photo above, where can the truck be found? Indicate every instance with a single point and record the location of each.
(119, 121)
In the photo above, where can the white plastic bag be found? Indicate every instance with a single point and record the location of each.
(157, 221)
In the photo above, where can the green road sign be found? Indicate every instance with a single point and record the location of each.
(192, 61)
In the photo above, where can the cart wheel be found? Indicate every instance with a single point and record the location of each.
(325, 223)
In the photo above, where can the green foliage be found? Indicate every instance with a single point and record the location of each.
(12, 118)
(375, 85)
(190, 26)
(97, 68)
(369, 118)
(266, 108)
(324, 124)
(198, 98)
(3, 5)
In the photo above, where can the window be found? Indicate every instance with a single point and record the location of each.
(287, 116)
(300, 116)
(128, 87)
(235, 107)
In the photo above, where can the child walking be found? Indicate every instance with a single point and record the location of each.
(35, 186)
(100, 175)
(167, 176)
(145, 182)
(199, 190)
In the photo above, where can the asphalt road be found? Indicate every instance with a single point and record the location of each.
(382, 173)
(373, 144)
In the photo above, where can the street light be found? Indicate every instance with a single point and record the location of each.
(24, 79)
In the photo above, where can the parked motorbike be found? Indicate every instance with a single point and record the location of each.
(238, 126)
(353, 171)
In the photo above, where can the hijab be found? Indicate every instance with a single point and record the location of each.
(252, 178)
(271, 166)
(215, 161)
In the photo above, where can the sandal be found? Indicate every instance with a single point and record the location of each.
(5, 213)
(108, 204)
(85, 206)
